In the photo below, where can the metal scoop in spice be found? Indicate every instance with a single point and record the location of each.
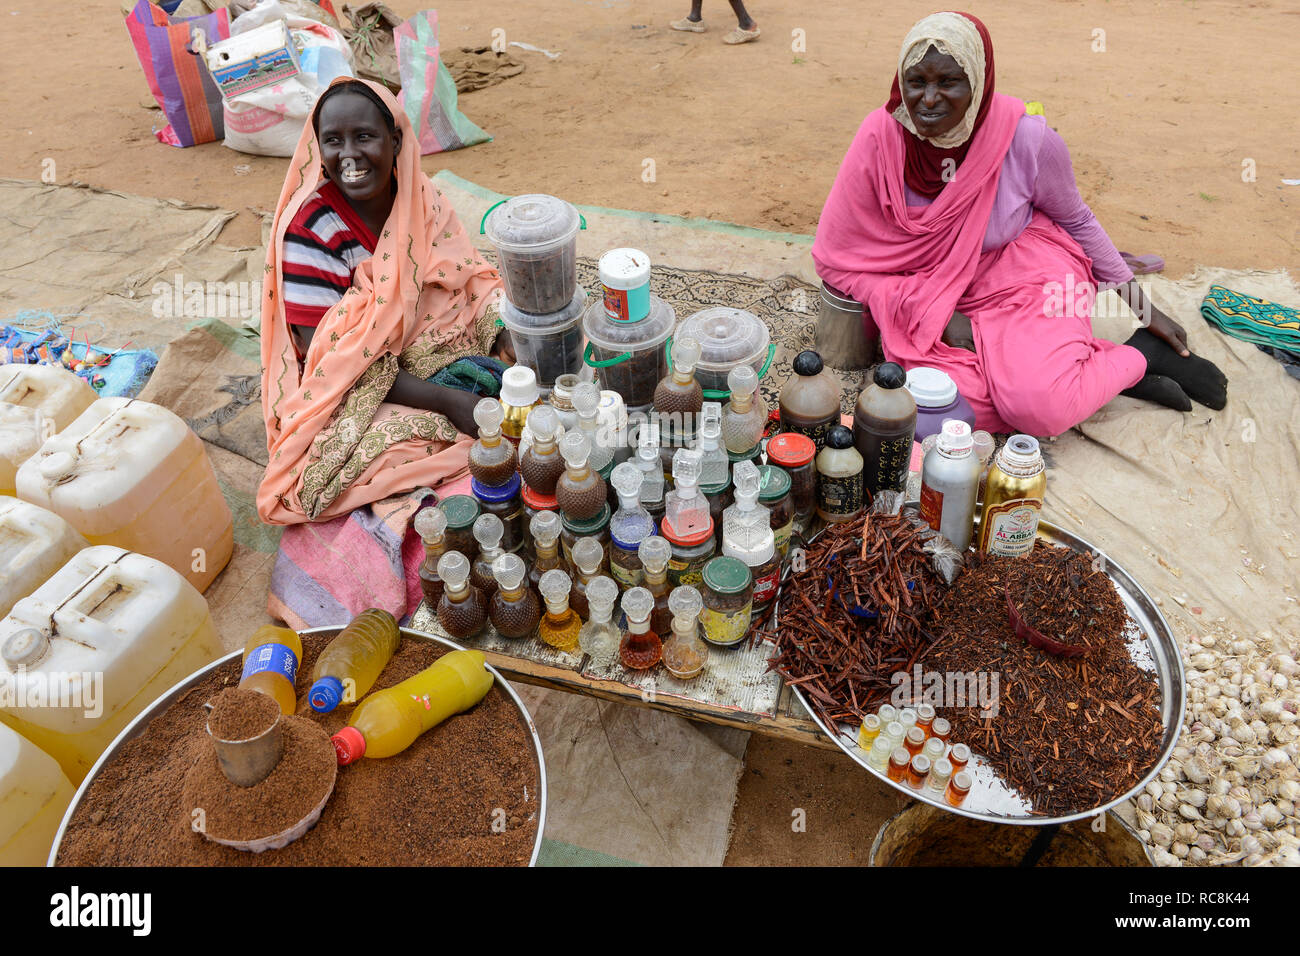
(248, 762)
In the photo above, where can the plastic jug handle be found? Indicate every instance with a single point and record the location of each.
(603, 363)
(722, 394)
(483, 222)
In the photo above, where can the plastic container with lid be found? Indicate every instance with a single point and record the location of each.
(461, 511)
(504, 502)
(629, 356)
(728, 338)
(22, 432)
(728, 601)
(691, 552)
(107, 634)
(794, 454)
(520, 393)
(937, 400)
(53, 391)
(132, 474)
(549, 344)
(597, 527)
(34, 543)
(34, 793)
(625, 282)
(774, 495)
(536, 238)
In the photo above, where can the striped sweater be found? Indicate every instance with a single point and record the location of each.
(322, 247)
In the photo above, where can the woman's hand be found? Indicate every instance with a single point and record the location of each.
(1156, 322)
(456, 404)
(958, 333)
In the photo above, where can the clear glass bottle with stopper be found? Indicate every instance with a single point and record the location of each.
(685, 508)
(580, 492)
(431, 526)
(641, 647)
(462, 612)
(650, 463)
(747, 534)
(599, 638)
(677, 392)
(685, 653)
(545, 529)
(714, 464)
(560, 624)
(586, 399)
(488, 530)
(745, 417)
(630, 525)
(654, 553)
(540, 463)
(514, 609)
(492, 460)
(588, 555)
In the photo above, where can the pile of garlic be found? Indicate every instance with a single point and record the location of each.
(1231, 791)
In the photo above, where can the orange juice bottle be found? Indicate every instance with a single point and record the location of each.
(271, 659)
(350, 664)
(387, 722)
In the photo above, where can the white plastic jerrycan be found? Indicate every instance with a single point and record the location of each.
(53, 391)
(33, 545)
(34, 794)
(93, 646)
(22, 431)
(131, 474)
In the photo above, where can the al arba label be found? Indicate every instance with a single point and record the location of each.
(1009, 528)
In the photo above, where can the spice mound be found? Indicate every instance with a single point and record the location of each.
(241, 714)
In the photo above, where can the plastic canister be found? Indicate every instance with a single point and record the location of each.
(728, 337)
(612, 420)
(54, 392)
(625, 281)
(94, 645)
(629, 356)
(22, 432)
(536, 238)
(34, 793)
(937, 399)
(34, 543)
(550, 344)
(132, 474)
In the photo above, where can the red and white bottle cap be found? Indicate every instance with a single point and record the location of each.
(955, 438)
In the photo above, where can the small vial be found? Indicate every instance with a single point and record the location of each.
(925, 717)
(958, 788)
(960, 756)
(894, 733)
(934, 748)
(869, 731)
(879, 756)
(907, 717)
(898, 763)
(940, 774)
(886, 713)
(917, 771)
(941, 729)
(914, 740)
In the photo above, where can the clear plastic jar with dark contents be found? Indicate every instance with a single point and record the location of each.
(504, 502)
(794, 453)
(462, 511)
(597, 527)
(774, 494)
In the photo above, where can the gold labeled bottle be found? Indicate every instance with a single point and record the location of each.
(519, 394)
(1013, 499)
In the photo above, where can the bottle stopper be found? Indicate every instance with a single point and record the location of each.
(488, 415)
(488, 530)
(637, 605)
(509, 570)
(654, 553)
(588, 552)
(602, 593)
(545, 528)
(453, 568)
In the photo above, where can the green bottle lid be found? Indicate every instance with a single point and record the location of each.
(774, 483)
(726, 575)
(461, 510)
(591, 525)
(710, 490)
(752, 455)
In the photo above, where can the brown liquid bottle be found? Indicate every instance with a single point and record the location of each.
(488, 530)
(492, 459)
(462, 612)
(541, 465)
(678, 393)
(810, 400)
(580, 492)
(654, 553)
(545, 529)
(514, 609)
(588, 553)
(884, 422)
(431, 526)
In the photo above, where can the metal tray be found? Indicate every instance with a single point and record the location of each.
(141, 721)
(1152, 646)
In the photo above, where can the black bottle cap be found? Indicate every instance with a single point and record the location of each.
(890, 375)
(807, 362)
(839, 437)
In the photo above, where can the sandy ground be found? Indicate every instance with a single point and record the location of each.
(1176, 112)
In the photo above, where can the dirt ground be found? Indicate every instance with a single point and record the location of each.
(1176, 113)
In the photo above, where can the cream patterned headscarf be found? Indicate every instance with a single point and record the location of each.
(954, 35)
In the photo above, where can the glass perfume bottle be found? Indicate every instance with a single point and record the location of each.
(545, 529)
(650, 464)
(599, 637)
(540, 463)
(685, 653)
(685, 508)
(519, 395)
(462, 612)
(654, 553)
(586, 400)
(747, 534)
(560, 624)
(514, 608)
(431, 526)
(588, 554)
(630, 525)
(492, 460)
(580, 492)
(745, 417)
(488, 530)
(677, 392)
(714, 463)
(640, 648)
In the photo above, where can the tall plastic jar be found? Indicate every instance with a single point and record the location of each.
(728, 337)
(132, 474)
(504, 502)
(690, 553)
(34, 793)
(937, 400)
(536, 238)
(794, 454)
(54, 392)
(105, 635)
(550, 344)
(629, 356)
(22, 432)
(34, 543)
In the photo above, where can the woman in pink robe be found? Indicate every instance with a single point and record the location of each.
(956, 221)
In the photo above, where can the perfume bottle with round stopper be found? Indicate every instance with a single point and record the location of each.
(462, 612)
(588, 554)
(650, 464)
(540, 463)
(560, 624)
(685, 508)
(492, 460)
(640, 648)
(599, 637)
(488, 530)
(514, 609)
(545, 529)
(431, 526)
(580, 492)
(745, 417)
(685, 653)
(630, 525)
(714, 463)
(677, 392)
(586, 400)
(654, 553)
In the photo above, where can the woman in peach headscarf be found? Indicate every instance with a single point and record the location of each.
(373, 286)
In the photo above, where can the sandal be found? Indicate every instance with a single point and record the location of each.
(741, 36)
(687, 25)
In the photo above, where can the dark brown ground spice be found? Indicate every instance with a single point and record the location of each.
(241, 714)
(431, 805)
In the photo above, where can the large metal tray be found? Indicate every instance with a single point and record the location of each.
(1152, 646)
(141, 721)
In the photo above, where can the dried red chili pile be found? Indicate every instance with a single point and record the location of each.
(1070, 733)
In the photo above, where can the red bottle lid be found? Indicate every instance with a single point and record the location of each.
(349, 745)
(790, 450)
(686, 541)
(538, 501)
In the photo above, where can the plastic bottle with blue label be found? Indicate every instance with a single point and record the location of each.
(271, 660)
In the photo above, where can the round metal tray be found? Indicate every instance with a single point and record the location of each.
(1151, 645)
(141, 721)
